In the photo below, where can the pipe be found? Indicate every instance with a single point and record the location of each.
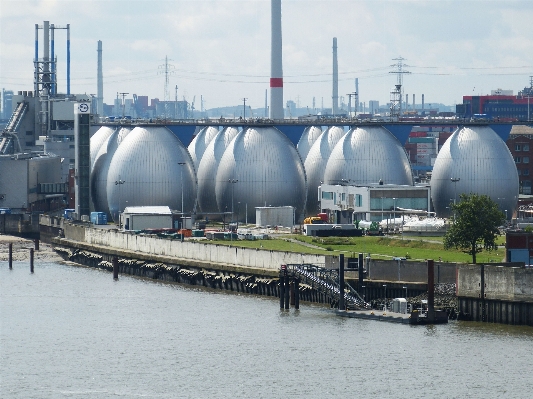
(100, 83)
(68, 59)
(35, 62)
(52, 62)
(335, 95)
(276, 63)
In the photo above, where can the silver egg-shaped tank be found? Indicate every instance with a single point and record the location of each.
(200, 142)
(474, 160)
(260, 167)
(309, 136)
(101, 168)
(96, 141)
(151, 167)
(207, 169)
(366, 155)
(315, 164)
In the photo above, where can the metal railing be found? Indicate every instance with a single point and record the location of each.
(326, 281)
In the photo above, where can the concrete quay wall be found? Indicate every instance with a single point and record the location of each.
(410, 271)
(495, 294)
(209, 253)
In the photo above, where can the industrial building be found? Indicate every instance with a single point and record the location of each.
(31, 182)
(374, 202)
(499, 105)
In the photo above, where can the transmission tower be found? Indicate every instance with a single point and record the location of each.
(396, 93)
(167, 70)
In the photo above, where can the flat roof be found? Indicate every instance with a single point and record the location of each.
(148, 210)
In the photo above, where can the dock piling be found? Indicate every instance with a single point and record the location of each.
(282, 287)
(341, 282)
(115, 268)
(31, 260)
(431, 290)
(10, 256)
(36, 244)
(287, 291)
(296, 293)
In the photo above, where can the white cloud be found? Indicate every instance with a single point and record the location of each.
(221, 49)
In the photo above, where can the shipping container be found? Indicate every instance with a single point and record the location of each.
(421, 139)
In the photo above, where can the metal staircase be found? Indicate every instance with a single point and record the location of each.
(9, 139)
(326, 281)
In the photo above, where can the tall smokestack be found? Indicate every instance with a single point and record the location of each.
(276, 64)
(100, 83)
(356, 95)
(414, 103)
(335, 96)
(422, 102)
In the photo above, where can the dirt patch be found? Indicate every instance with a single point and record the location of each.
(21, 249)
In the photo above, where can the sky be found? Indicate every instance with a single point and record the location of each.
(220, 50)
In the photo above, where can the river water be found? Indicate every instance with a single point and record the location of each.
(73, 332)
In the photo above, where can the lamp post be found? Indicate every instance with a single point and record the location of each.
(394, 215)
(181, 164)
(119, 182)
(454, 180)
(232, 181)
(385, 305)
(382, 208)
(405, 288)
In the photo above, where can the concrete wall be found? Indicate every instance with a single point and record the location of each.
(196, 251)
(501, 283)
(409, 271)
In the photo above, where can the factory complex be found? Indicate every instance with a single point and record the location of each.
(61, 151)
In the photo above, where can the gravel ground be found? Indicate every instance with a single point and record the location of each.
(21, 249)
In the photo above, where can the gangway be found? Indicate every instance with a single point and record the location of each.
(8, 139)
(326, 281)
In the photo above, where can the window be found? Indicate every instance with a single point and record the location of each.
(517, 159)
(518, 147)
(358, 200)
(343, 197)
(525, 147)
(525, 160)
(327, 195)
(520, 171)
(525, 172)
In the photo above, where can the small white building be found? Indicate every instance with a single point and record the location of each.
(346, 204)
(147, 217)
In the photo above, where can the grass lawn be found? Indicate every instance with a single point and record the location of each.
(416, 248)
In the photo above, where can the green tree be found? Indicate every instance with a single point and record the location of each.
(477, 218)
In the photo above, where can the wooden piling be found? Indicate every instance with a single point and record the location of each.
(31, 260)
(36, 244)
(115, 268)
(10, 256)
(281, 291)
(296, 293)
(287, 291)
(341, 282)
(431, 290)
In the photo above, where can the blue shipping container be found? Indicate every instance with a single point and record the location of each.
(98, 218)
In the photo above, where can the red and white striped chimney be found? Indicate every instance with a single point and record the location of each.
(276, 64)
